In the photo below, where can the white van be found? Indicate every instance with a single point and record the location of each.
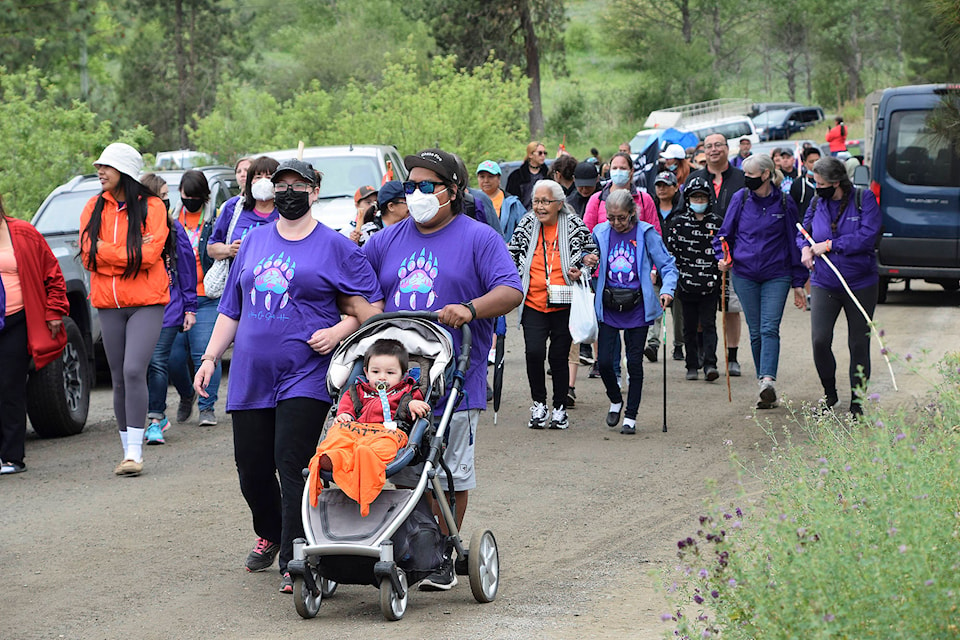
(733, 128)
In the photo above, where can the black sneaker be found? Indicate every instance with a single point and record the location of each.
(650, 351)
(262, 556)
(693, 374)
(571, 398)
(286, 583)
(734, 369)
(586, 354)
(443, 579)
(678, 353)
(628, 429)
(185, 408)
(613, 417)
(710, 373)
(594, 371)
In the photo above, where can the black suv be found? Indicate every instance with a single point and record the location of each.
(58, 396)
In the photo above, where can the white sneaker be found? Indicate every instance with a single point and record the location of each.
(538, 415)
(768, 395)
(559, 420)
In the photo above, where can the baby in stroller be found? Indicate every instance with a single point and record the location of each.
(365, 436)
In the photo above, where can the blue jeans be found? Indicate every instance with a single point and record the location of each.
(762, 304)
(158, 375)
(609, 354)
(193, 343)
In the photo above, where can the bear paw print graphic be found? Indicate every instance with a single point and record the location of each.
(621, 265)
(272, 276)
(417, 275)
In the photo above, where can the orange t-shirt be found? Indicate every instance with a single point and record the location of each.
(10, 276)
(497, 201)
(537, 293)
(193, 225)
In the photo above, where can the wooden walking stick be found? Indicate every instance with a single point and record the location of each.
(723, 313)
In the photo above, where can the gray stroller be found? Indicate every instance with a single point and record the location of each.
(399, 543)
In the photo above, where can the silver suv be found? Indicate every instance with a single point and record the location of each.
(345, 169)
(58, 396)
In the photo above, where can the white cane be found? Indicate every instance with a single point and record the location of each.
(846, 287)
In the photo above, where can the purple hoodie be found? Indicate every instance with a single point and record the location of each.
(854, 242)
(761, 236)
(183, 292)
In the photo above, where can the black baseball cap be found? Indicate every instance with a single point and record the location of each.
(439, 161)
(303, 169)
(585, 175)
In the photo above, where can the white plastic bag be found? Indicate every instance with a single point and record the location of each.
(583, 317)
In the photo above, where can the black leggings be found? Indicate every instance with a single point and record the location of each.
(537, 328)
(826, 306)
(267, 442)
(15, 357)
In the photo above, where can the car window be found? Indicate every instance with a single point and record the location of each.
(62, 213)
(728, 129)
(916, 156)
(342, 176)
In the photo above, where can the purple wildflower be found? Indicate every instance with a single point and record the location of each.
(666, 617)
(883, 351)
(732, 582)
(828, 617)
(824, 472)
(908, 357)
(847, 467)
(928, 583)
(902, 548)
(891, 531)
(822, 460)
(715, 593)
(900, 436)
(703, 573)
(697, 598)
(882, 333)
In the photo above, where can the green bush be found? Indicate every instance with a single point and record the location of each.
(857, 534)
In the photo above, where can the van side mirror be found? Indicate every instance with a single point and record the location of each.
(861, 176)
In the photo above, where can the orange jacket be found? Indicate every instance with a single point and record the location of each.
(108, 288)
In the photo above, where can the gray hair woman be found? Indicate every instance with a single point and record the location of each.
(845, 222)
(626, 300)
(549, 246)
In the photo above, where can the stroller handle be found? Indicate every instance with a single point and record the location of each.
(463, 361)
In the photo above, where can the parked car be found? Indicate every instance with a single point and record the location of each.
(58, 396)
(916, 178)
(780, 124)
(732, 128)
(182, 159)
(760, 107)
(767, 147)
(345, 169)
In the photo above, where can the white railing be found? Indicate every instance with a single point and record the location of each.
(697, 112)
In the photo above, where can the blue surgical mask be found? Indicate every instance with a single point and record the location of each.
(698, 207)
(620, 177)
(672, 167)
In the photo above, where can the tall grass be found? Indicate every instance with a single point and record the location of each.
(857, 534)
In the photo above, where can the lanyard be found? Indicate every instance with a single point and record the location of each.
(548, 265)
(195, 234)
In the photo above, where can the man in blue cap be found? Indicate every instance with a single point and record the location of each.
(391, 208)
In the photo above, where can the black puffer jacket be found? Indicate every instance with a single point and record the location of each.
(521, 182)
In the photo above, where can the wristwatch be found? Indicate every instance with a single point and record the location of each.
(473, 310)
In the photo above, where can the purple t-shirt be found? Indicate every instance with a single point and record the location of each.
(622, 273)
(248, 220)
(425, 272)
(281, 291)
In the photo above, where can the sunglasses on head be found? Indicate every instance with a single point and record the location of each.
(425, 186)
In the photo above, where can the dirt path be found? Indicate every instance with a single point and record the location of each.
(586, 519)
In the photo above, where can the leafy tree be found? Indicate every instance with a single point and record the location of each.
(519, 33)
(45, 143)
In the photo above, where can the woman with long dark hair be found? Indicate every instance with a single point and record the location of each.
(33, 299)
(123, 234)
(845, 223)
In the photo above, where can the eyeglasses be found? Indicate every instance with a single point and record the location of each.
(718, 145)
(618, 218)
(540, 202)
(540, 153)
(425, 186)
(299, 187)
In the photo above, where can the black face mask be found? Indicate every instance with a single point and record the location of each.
(752, 183)
(291, 204)
(166, 203)
(826, 192)
(192, 204)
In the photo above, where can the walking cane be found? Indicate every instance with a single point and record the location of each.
(723, 313)
(846, 287)
(663, 334)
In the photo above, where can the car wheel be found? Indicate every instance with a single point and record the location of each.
(58, 395)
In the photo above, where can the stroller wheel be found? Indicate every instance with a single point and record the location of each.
(306, 602)
(392, 605)
(327, 587)
(483, 566)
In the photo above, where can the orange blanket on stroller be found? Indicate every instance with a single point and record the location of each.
(359, 454)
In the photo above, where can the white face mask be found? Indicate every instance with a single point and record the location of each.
(423, 206)
(262, 189)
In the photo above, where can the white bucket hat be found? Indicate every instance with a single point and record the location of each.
(123, 158)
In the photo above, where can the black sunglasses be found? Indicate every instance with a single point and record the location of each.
(425, 186)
